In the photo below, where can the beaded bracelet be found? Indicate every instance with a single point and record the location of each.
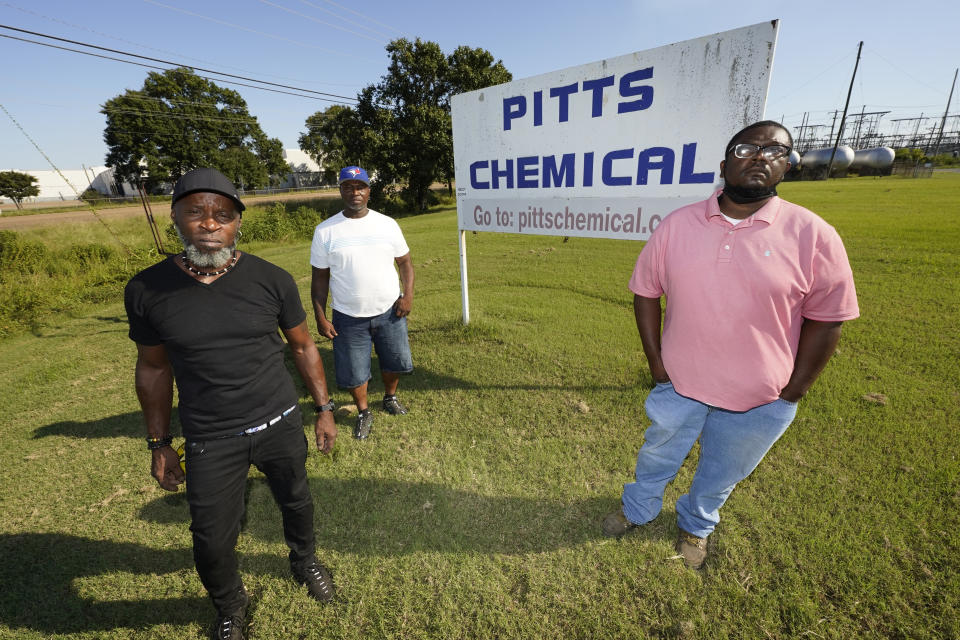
(159, 443)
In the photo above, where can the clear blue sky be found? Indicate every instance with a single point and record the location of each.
(910, 53)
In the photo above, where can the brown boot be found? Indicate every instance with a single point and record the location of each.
(692, 548)
(615, 524)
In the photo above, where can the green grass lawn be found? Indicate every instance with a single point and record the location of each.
(477, 515)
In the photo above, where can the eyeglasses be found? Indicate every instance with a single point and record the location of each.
(771, 152)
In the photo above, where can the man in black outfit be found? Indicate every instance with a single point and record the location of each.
(208, 318)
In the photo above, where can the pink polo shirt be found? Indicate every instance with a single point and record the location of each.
(736, 296)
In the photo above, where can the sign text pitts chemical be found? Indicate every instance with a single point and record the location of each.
(607, 149)
(533, 172)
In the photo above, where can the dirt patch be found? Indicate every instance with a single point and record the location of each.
(160, 211)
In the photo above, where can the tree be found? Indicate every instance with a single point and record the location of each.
(401, 127)
(331, 140)
(909, 155)
(179, 121)
(17, 186)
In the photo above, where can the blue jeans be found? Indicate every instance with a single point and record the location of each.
(351, 347)
(732, 444)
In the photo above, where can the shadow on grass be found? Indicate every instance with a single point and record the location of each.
(39, 572)
(425, 380)
(125, 424)
(375, 517)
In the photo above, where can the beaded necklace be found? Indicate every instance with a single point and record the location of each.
(192, 269)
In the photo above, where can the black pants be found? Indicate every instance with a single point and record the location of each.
(216, 480)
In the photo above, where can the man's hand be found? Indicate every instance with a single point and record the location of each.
(166, 468)
(404, 303)
(818, 342)
(791, 395)
(647, 314)
(310, 366)
(325, 327)
(402, 306)
(326, 431)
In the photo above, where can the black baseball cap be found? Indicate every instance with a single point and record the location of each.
(206, 179)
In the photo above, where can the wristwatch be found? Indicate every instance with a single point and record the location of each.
(324, 407)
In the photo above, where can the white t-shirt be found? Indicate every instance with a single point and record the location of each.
(359, 253)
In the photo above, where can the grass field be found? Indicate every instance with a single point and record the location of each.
(477, 515)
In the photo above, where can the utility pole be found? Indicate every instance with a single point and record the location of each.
(845, 107)
(936, 149)
(833, 124)
(857, 138)
(803, 128)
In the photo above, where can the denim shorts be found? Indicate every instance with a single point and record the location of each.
(351, 347)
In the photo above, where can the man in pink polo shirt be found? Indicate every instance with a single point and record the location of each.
(757, 290)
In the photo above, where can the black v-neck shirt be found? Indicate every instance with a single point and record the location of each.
(222, 340)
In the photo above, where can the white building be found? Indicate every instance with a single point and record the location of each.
(68, 184)
(304, 170)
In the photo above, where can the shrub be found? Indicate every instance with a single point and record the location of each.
(277, 223)
(171, 240)
(92, 196)
(18, 256)
(908, 155)
(38, 282)
(945, 160)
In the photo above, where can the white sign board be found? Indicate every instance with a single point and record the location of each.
(607, 149)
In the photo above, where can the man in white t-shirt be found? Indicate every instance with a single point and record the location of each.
(353, 256)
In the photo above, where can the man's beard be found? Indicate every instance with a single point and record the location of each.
(744, 195)
(210, 260)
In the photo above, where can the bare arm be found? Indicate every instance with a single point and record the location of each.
(319, 290)
(405, 303)
(647, 313)
(818, 342)
(154, 382)
(308, 362)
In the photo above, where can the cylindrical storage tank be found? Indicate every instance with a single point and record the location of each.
(794, 159)
(820, 158)
(875, 158)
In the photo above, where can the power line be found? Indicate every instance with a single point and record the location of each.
(149, 48)
(817, 76)
(90, 206)
(345, 54)
(906, 73)
(357, 13)
(160, 114)
(165, 101)
(178, 64)
(151, 66)
(348, 20)
(318, 21)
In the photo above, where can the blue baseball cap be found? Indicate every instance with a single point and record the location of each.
(354, 173)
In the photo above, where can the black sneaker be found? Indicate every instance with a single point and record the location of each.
(317, 579)
(392, 406)
(364, 424)
(228, 628)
